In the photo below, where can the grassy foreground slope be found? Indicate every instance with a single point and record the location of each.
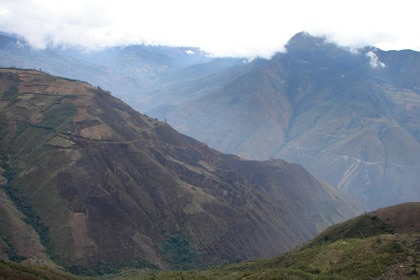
(384, 244)
(9, 270)
(377, 257)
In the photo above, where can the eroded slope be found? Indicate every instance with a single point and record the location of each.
(105, 184)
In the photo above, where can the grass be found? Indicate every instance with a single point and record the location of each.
(101, 267)
(11, 93)
(45, 79)
(346, 257)
(342, 259)
(9, 270)
(58, 117)
(360, 227)
(361, 248)
(355, 261)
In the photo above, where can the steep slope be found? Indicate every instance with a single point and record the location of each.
(366, 247)
(350, 117)
(104, 186)
(190, 83)
(18, 240)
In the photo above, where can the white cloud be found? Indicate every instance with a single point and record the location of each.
(241, 28)
(374, 60)
(4, 12)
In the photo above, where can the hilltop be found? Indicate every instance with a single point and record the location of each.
(371, 246)
(93, 186)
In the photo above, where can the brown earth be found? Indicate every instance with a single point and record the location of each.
(404, 217)
(108, 181)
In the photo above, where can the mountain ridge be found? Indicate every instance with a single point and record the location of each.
(104, 185)
(135, 73)
(351, 118)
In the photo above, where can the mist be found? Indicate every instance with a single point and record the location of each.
(233, 28)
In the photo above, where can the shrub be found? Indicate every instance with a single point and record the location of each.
(178, 251)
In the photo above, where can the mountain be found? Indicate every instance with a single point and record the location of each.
(351, 117)
(94, 186)
(146, 77)
(371, 246)
(382, 244)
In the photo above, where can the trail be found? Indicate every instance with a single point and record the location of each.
(357, 159)
(81, 138)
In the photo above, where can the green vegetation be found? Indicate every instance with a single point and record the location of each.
(21, 127)
(178, 251)
(13, 256)
(45, 79)
(102, 267)
(24, 205)
(231, 274)
(11, 93)
(9, 173)
(378, 254)
(361, 248)
(329, 210)
(70, 96)
(65, 181)
(58, 116)
(9, 270)
(359, 227)
(351, 258)
(341, 259)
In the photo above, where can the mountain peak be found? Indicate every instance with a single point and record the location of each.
(304, 41)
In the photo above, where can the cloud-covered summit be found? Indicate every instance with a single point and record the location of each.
(234, 28)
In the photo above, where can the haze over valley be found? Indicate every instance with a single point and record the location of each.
(176, 140)
(348, 116)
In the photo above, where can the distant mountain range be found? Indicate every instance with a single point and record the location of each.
(351, 117)
(96, 186)
(143, 76)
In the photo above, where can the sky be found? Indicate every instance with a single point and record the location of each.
(222, 28)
